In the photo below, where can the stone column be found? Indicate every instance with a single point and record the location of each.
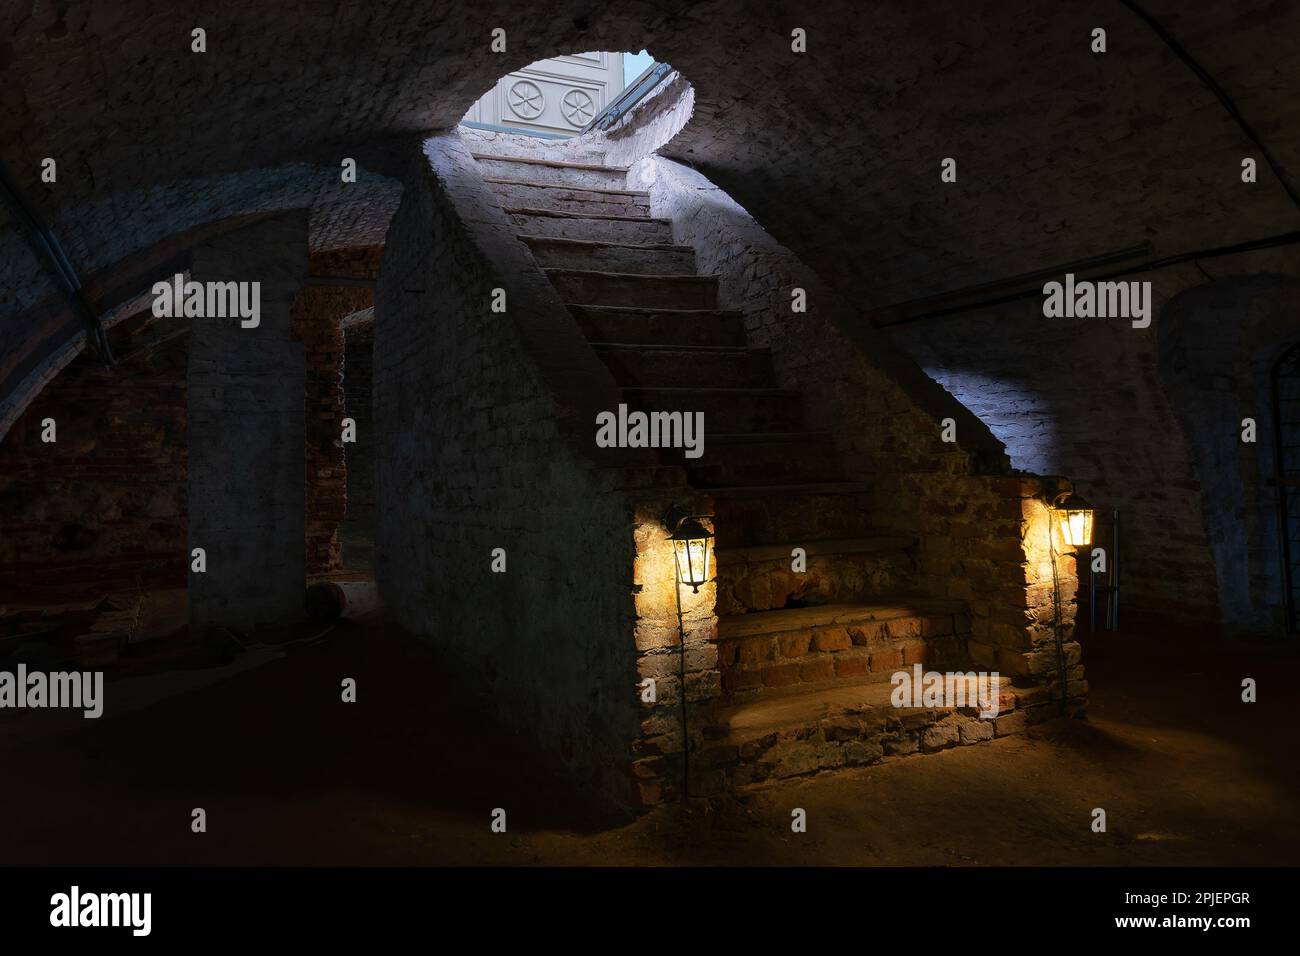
(246, 387)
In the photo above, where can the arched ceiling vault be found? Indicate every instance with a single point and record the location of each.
(1062, 153)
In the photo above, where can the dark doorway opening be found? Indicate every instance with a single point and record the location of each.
(357, 533)
(1286, 411)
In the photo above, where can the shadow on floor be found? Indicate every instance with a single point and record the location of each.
(410, 774)
(273, 751)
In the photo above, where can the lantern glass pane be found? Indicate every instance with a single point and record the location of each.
(695, 547)
(1076, 527)
(692, 560)
(701, 557)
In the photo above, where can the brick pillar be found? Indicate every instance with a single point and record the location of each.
(315, 323)
(358, 394)
(1021, 600)
(316, 314)
(246, 434)
(657, 753)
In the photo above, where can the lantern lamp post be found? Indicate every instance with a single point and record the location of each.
(693, 557)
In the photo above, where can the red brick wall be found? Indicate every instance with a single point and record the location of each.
(315, 315)
(93, 525)
(358, 529)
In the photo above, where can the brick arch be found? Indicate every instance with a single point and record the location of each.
(56, 335)
(838, 127)
(122, 255)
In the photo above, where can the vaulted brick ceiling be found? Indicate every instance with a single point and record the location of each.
(1061, 153)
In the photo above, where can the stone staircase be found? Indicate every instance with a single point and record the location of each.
(805, 656)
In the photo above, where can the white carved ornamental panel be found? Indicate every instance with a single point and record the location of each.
(559, 95)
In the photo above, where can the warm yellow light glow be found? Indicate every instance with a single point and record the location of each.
(693, 549)
(1074, 518)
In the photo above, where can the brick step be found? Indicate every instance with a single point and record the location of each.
(551, 171)
(589, 287)
(762, 553)
(763, 457)
(668, 326)
(619, 202)
(633, 193)
(781, 513)
(568, 225)
(553, 252)
(834, 725)
(760, 578)
(687, 366)
(726, 410)
(851, 640)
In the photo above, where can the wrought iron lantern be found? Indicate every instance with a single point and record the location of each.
(693, 550)
(1073, 516)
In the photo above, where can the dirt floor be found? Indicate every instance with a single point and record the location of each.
(1186, 773)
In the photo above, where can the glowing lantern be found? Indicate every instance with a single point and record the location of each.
(693, 549)
(1074, 518)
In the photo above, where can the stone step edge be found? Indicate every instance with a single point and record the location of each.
(501, 181)
(839, 711)
(588, 243)
(661, 347)
(761, 391)
(785, 620)
(768, 438)
(561, 214)
(644, 310)
(690, 278)
(554, 163)
(839, 744)
(831, 660)
(811, 690)
(759, 553)
(807, 488)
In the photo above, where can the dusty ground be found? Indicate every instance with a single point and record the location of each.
(289, 775)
